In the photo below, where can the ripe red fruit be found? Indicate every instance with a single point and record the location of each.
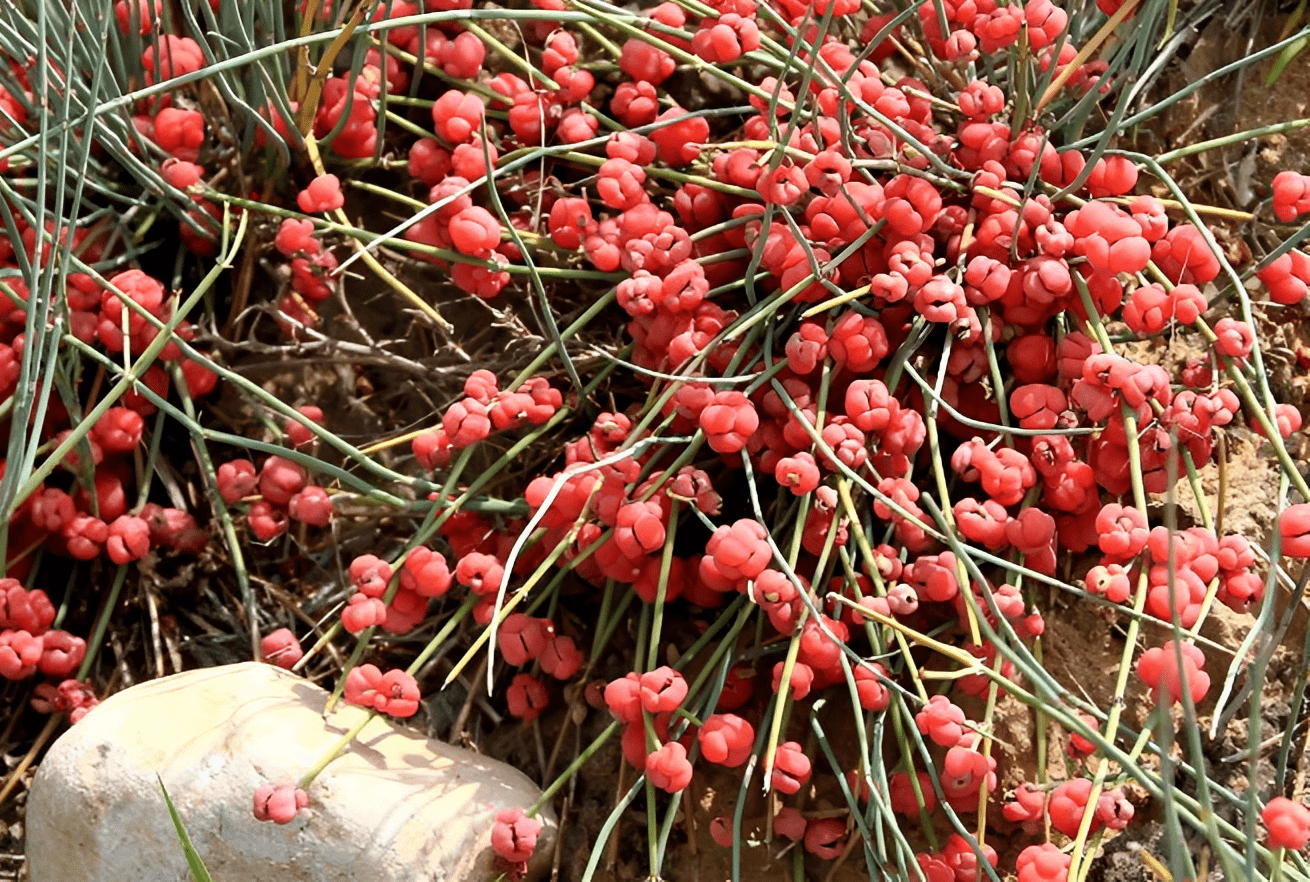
(680, 138)
(323, 194)
(725, 39)
(297, 432)
(180, 173)
(84, 536)
(735, 553)
(312, 506)
(1109, 580)
(1288, 823)
(726, 739)
(474, 231)
(466, 422)
(361, 612)
(1067, 804)
(802, 675)
(783, 185)
(791, 768)
(807, 348)
(279, 804)
(457, 116)
(480, 573)
(721, 831)
(561, 658)
(790, 823)
(237, 479)
(1291, 195)
(941, 721)
(394, 693)
(825, 837)
(24, 610)
(668, 768)
(827, 172)
(428, 161)
(180, 132)
(425, 572)
(1183, 255)
(178, 56)
(143, 11)
(623, 698)
(280, 479)
(1158, 668)
(61, 653)
(521, 638)
(858, 343)
(370, 575)
(1027, 807)
(119, 430)
(1294, 530)
(296, 236)
(20, 653)
(281, 648)
(729, 421)
(570, 222)
(1234, 338)
(662, 690)
(432, 449)
(397, 694)
(1043, 863)
(128, 539)
(145, 290)
(621, 184)
(646, 63)
(1037, 405)
(1121, 532)
(527, 697)
(873, 693)
(514, 835)
(799, 473)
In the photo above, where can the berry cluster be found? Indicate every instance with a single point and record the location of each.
(280, 489)
(88, 507)
(891, 309)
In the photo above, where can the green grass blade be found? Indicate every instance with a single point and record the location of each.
(198, 871)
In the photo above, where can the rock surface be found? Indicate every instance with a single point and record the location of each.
(395, 806)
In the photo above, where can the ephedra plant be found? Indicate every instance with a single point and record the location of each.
(842, 388)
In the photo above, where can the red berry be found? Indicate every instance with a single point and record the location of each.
(825, 837)
(791, 768)
(1158, 668)
(1288, 823)
(729, 421)
(297, 432)
(279, 804)
(281, 648)
(514, 835)
(312, 506)
(941, 721)
(323, 194)
(128, 539)
(180, 132)
(236, 479)
(726, 739)
(1043, 863)
(361, 612)
(280, 479)
(668, 768)
(799, 473)
(1294, 530)
(474, 231)
(1291, 195)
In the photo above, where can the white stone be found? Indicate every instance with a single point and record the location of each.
(395, 806)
